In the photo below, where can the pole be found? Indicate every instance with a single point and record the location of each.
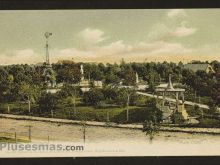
(195, 97)
(47, 52)
(177, 99)
(8, 109)
(29, 106)
(69, 114)
(183, 97)
(15, 137)
(51, 113)
(128, 100)
(163, 98)
(107, 118)
(74, 102)
(29, 132)
(84, 132)
(201, 108)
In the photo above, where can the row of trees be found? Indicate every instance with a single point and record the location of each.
(20, 82)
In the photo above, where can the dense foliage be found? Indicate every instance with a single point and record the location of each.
(26, 82)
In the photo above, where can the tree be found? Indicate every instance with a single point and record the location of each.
(47, 102)
(111, 78)
(110, 94)
(69, 74)
(93, 97)
(151, 128)
(124, 96)
(67, 71)
(129, 76)
(154, 117)
(215, 91)
(215, 64)
(71, 91)
(4, 83)
(93, 71)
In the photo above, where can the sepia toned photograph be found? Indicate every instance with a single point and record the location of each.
(131, 82)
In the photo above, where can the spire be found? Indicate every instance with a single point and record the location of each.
(170, 85)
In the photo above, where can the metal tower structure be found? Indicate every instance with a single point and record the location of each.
(47, 35)
(49, 73)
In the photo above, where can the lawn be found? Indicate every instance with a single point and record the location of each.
(66, 111)
(12, 140)
(90, 113)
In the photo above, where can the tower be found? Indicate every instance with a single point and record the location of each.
(49, 74)
(47, 35)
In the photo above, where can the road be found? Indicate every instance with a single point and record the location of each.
(174, 100)
(27, 120)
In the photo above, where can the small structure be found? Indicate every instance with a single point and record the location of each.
(179, 107)
(195, 67)
(98, 84)
(53, 90)
(171, 90)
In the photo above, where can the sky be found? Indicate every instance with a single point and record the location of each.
(110, 35)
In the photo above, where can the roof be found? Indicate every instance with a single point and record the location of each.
(196, 67)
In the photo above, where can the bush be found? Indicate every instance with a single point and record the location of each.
(151, 102)
(207, 122)
(177, 118)
(47, 102)
(93, 97)
(139, 115)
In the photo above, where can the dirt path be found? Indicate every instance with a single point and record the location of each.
(114, 125)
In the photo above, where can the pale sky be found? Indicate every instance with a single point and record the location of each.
(110, 35)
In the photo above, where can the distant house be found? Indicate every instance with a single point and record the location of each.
(98, 84)
(204, 67)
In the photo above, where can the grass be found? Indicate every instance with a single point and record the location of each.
(90, 113)
(12, 140)
(190, 97)
(66, 111)
(203, 99)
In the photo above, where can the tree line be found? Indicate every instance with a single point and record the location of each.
(23, 82)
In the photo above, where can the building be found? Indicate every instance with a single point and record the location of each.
(179, 107)
(98, 84)
(203, 67)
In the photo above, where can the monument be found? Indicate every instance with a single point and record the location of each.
(49, 73)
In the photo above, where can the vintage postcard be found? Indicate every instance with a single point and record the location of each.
(132, 82)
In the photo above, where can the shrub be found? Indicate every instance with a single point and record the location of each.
(207, 122)
(93, 97)
(139, 115)
(47, 102)
(177, 118)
